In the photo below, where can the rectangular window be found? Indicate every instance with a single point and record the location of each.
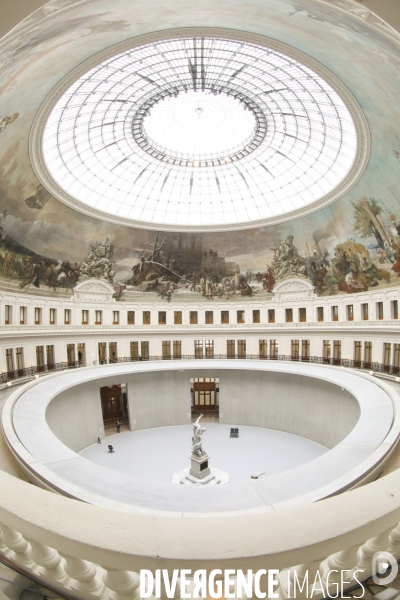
(7, 314)
(295, 349)
(112, 352)
(198, 348)
(19, 353)
(38, 316)
(263, 348)
(81, 354)
(53, 316)
(209, 317)
(387, 355)
(241, 345)
(22, 315)
(273, 349)
(256, 316)
(98, 317)
(178, 317)
(379, 311)
(40, 358)
(337, 352)
(225, 317)
(240, 316)
(162, 317)
(115, 317)
(364, 312)
(134, 350)
(67, 316)
(326, 350)
(271, 315)
(166, 350)
(396, 356)
(302, 315)
(102, 353)
(131, 317)
(10, 360)
(335, 313)
(357, 353)
(50, 357)
(367, 354)
(305, 349)
(320, 313)
(193, 317)
(289, 315)
(209, 346)
(177, 348)
(145, 350)
(230, 348)
(146, 317)
(395, 309)
(85, 317)
(350, 312)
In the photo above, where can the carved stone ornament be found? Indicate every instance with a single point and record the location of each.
(293, 288)
(93, 290)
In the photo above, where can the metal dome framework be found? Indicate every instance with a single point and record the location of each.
(200, 132)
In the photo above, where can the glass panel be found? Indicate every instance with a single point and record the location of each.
(113, 138)
(230, 348)
(177, 347)
(134, 350)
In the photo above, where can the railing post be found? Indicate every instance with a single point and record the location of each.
(83, 574)
(18, 545)
(49, 560)
(123, 584)
(372, 546)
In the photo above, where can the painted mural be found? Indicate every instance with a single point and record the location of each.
(350, 246)
(181, 264)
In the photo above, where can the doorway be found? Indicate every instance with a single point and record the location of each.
(204, 393)
(114, 406)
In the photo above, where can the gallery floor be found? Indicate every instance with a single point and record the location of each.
(155, 454)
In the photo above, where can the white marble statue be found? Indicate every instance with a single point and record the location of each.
(197, 443)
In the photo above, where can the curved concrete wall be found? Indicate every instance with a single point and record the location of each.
(305, 406)
(313, 408)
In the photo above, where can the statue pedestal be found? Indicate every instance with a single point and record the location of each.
(185, 478)
(199, 466)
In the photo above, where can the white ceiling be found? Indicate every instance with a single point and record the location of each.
(13, 11)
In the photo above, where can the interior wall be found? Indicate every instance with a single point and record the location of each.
(75, 416)
(305, 406)
(159, 399)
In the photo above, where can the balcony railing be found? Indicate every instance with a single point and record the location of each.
(349, 363)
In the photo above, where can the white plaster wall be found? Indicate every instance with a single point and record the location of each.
(304, 406)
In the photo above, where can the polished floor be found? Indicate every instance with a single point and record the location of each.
(155, 454)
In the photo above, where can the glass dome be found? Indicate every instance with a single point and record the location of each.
(198, 132)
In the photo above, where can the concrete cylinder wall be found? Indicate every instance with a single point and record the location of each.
(304, 406)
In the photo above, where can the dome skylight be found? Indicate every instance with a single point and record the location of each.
(197, 133)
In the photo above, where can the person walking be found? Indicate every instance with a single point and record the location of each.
(118, 426)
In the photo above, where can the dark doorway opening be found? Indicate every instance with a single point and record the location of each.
(114, 406)
(204, 393)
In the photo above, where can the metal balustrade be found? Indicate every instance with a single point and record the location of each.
(349, 363)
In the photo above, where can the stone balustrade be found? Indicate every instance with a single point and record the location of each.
(90, 552)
